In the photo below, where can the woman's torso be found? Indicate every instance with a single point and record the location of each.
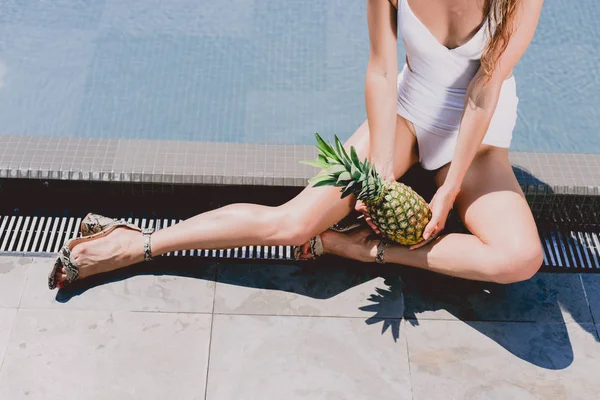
(434, 82)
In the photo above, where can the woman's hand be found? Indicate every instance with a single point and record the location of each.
(387, 174)
(440, 206)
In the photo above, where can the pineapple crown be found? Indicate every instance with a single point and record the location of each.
(343, 170)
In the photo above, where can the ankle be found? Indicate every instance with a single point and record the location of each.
(371, 255)
(134, 248)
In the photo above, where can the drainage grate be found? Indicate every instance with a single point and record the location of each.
(571, 250)
(43, 235)
(563, 249)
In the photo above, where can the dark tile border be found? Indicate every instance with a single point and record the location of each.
(542, 175)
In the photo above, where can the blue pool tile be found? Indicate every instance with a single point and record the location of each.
(55, 14)
(42, 76)
(233, 18)
(289, 45)
(157, 87)
(558, 82)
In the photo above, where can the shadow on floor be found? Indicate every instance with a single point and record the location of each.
(408, 293)
(539, 304)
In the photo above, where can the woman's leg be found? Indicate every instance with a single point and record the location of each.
(313, 211)
(504, 247)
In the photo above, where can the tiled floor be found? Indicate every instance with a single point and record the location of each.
(327, 330)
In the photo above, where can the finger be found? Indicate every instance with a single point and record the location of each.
(424, 242)
(420, 244)
(371, 224)
(429, 229)
(373, 227)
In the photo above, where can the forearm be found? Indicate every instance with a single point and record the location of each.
(480, 104)
(380, 99)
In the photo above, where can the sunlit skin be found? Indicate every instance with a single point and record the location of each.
(479, 183)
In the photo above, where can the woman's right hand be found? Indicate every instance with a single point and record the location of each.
(387, 174)
(362, 208)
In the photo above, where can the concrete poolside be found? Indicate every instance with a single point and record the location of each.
(333, 329)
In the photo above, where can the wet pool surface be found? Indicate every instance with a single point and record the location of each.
(252, 72)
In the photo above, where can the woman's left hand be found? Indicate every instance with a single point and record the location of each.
(440, 206)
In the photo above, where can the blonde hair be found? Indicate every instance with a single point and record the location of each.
(501, 14)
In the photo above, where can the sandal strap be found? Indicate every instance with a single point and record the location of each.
(380, 249)
(71, 268)
(147, 248)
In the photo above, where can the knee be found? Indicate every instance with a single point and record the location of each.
(290, 228)
(517, 264)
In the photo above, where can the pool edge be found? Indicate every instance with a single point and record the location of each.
(224, 163)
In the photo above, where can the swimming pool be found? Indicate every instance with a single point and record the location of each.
(252, 71)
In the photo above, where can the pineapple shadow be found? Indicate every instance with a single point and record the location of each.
(525, 318)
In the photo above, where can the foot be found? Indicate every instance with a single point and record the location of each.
(358, 244)
(118, 249)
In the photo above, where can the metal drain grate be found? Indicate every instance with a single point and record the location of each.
(571, 250)
(42, 235)
(563, 249)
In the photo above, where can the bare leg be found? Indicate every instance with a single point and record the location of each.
(313, 211)
(504, 246)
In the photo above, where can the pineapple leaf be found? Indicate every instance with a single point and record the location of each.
(321, 177)
(341, 149)
(341, 153)
(316, 163)
(344, 176)
(354, 156)
(326, 182)
(336, 169)
(374, 171)
(349, 187)
(354, 171)
(365, 165)
(321, 157)
(325, 148)
(346, 193)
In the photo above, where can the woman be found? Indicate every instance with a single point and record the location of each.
(452, 108)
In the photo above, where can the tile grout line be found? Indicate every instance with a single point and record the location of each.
(25, 284)
(412, 394)
(382, 318)
(587, 300)
(18, 309)
(12, 329)
(212, 324)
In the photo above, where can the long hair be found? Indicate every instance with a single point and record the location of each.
(501, 14)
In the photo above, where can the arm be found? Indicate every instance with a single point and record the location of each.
(380, 85)
(482, 94)
(480, 104)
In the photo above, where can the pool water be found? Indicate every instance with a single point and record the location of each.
(263, 71)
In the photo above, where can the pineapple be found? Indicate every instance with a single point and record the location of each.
(399, 212)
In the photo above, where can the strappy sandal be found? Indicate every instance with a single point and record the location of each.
(315, 248)
(64, 259)
(347, 224)
(95, 223)
(383, 243)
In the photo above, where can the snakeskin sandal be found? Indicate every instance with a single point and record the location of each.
(64, 259)
(348, 223)
(94, 223)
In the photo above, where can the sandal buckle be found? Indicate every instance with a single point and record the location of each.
(147, 248)
(380, 249)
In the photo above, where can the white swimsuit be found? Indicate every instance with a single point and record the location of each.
(432, 91)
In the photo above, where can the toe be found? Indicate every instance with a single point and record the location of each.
(305, 250)
(60, 277)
